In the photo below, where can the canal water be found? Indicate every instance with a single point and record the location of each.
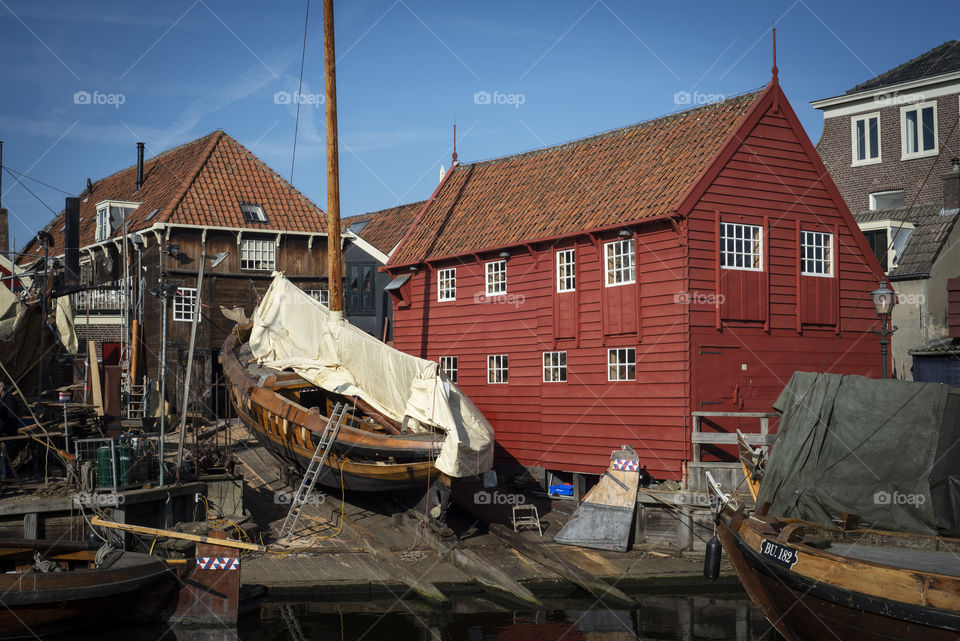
(668, 618)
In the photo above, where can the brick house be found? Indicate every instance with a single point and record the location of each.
(609, 290)
(210, 196)
(891, 145)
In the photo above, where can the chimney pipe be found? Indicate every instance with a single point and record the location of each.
(951, 186)
(139, 165)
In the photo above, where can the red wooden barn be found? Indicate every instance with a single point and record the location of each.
(599, 292)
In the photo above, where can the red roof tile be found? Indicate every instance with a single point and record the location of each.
(624, 175)
(386, 227)
(202, 182)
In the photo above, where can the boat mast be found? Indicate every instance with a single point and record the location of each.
(334, 263)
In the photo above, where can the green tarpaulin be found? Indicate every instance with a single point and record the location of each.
(887, 450)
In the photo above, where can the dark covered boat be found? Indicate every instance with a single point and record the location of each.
(856, 534)
(53, 586)
(405, 424)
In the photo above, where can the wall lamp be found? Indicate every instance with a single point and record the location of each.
(504, 254)
(624, 233)
(413, 268)
(173, 250)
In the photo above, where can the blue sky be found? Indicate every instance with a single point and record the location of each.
(169, 72)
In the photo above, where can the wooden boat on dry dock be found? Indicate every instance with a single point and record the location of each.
(852, 450)
(406, 423)
(53, 586)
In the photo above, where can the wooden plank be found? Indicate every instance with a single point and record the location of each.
(546, 557)
(140, 529)
(96, 391)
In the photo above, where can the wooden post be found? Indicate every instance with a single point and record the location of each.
(334, 263)
(193, 341)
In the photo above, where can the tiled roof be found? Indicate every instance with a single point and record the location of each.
(932, 227)
(946, 346)
(201, 182)
(386, 227)
(937, 61)
(624, 175)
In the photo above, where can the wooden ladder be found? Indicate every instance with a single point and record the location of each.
(324, 445)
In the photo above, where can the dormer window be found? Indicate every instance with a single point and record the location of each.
(110, 216)
(253, 213)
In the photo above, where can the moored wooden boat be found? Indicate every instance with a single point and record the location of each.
(818, 582)
(371, 452)
(78, 589)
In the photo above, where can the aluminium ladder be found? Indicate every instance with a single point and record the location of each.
(324, 445)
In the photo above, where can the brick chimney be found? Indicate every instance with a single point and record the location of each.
(953, 306)
(951, 186)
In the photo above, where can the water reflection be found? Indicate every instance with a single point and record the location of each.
(666, 618)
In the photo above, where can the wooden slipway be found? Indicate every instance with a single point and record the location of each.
(604, 517)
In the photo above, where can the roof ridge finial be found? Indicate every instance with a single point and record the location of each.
(774, 70)
(454, 162)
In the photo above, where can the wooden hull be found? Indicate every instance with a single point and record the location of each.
(137, 587)
(828, 596)
(360, 460)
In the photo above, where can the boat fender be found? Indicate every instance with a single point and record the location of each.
(711, 559)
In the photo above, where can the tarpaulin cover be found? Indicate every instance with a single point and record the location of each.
(887, 450)
(291, 330)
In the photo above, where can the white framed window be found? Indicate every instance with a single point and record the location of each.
(918, 130)
(741, 246)
(566, 270)
(816, 253)
(865, 138)
(448, 364)
(185, 304)
(447, 284)
(886, 199)
(258, 254)
(622, 364)
(497, 368)
(253, 213)
(620, 266)
(554, 367)
(103, 224)
(321, 295)
(888, 239)
(496, 277)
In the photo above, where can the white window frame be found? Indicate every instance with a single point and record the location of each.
(320, 295)
(103, 224)
(185, 305)
(258, 254)
(566, 270)
(253, 213)
(447, 284)
(865, 119)
(450, 366)
(735, 252)
(892, 227)
(555, 367)
(495, 274)
(624, 272)
(498, 369)
(921, 152)
(620, 360)
(872, 198)
(826, 260)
